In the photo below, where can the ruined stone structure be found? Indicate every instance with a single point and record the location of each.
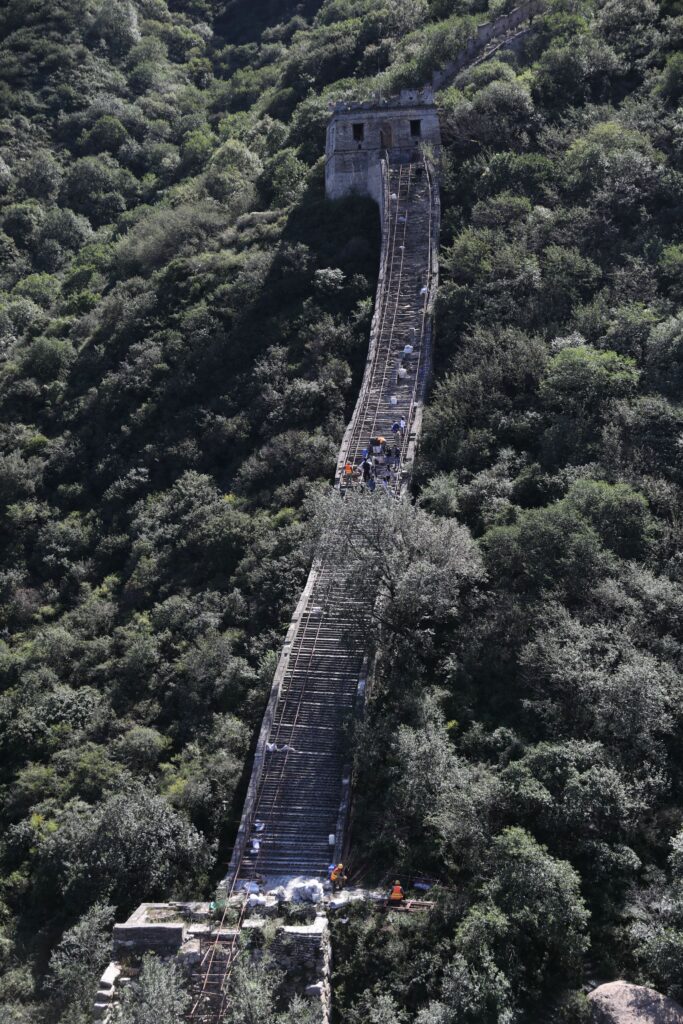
(361, 135)
(184, 932)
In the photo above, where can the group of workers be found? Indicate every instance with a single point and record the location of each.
(380, 461)
(338, 878)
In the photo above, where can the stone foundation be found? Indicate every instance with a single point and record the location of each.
(183, 931)
(304, 953)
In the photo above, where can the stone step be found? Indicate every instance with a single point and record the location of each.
(300, 790)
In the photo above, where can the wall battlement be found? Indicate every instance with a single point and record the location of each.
(406, 98)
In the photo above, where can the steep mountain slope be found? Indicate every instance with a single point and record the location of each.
(184, 321)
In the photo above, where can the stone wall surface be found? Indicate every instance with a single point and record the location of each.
(393, 129)
(304, 953)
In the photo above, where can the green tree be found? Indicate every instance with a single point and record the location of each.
(421, 576)
(133, 844)
(78, 960)
(47, 359)
(671, 84)
(284, 178)
(41, 175)
(581, 379)
(471, 995)
(664, 358)
(252, 987)
(553, 547)
(157, 996)
(545, 918)
(116, 22)
(618, 513)
(577, 389)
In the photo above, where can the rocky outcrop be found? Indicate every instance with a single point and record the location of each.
(619, 1002)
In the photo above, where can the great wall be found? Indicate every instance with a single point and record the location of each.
(295, 815)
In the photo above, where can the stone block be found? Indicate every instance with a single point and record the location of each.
(161, 938)
(253, 922)
(358, 137)
(190, 953)
(110, 976)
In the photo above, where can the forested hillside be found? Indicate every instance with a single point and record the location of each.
(184, 321)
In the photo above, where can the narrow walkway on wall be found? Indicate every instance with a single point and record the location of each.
(294, 816)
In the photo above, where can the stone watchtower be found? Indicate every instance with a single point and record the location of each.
(359, 135)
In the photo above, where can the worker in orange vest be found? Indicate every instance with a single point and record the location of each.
(337, 877)
(397, 895)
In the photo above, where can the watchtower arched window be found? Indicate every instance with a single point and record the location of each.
(358, 132)
(416, 129)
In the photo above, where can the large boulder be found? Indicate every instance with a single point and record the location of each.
(618, 1002)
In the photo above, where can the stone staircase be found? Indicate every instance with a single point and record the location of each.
(299, 794)
(402, 314)
(294, 815)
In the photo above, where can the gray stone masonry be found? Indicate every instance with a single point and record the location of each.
(167, 929)
(301, 951)
(360, 136)
(478, 45)
(304, 953)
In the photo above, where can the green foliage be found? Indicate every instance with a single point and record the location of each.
(146, 275)
(618, 513)
(664, 359)
(579, 380)
(672, 78)
(184, 321)
(553, 702)
(284, 178)
(252, 992)
(134, 844)
(157, 996)
(437, 552)
(579, 387)
(532, 914)
(46, 359)
(471, 994)
(79, 959)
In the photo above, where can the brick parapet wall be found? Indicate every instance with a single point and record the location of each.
(485, 34)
